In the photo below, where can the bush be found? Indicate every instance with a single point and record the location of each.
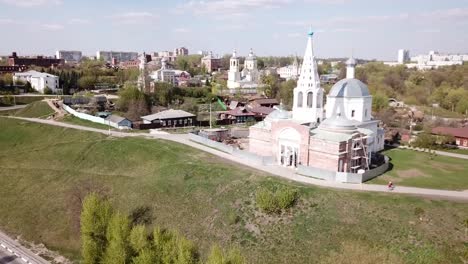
(276, 199)
(47, 90)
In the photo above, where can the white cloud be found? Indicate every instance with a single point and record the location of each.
(31, 3)
(294, 35)
(52, 27)
(228, 7)
(78, 21)
(454, 13)
(132, 18)
(6, 21)
(181, 30)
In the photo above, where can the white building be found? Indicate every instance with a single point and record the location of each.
(308, 95)
(245, 81)
(430, 61)
(69, 56)
(38, 80)
(403, 56)
(290, 72)
(330, 143)
(120, 56)
(165, 74)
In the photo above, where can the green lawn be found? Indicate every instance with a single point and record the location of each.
(44, 168)
(419, 169)
(36, 109)
(81, 122)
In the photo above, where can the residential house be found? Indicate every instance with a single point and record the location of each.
(170, 118)
(119, 122)
(460, 134)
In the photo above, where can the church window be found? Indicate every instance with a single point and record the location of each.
(365, 113)
(319, 103)
(299, 99)
(352, 113)
(310, 99)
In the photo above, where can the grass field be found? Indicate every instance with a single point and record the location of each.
(81, 122)
(211, 201)
(36, 109)
(419, 169)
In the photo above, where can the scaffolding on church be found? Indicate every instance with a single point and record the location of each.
(359, 153)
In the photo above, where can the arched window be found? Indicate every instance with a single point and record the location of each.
(319, 102)
(299, 99)
(310, 99)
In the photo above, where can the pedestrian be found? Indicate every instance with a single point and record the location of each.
(390, 185)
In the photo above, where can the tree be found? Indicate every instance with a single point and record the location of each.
(47, 90)
(286, 92)
(271, 85)
(87, 82)
(139, 238)
(136, 108)
(379, 102)
(94, 222)
(129, 94)
(118, 231)
(217, 256)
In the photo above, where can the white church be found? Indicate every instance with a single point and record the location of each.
(339, 137)
(247, 80)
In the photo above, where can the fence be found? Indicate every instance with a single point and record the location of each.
(243, 154)
(91, 118)
(346, 177)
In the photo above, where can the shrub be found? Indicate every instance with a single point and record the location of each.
(276, 199)
(47, 90)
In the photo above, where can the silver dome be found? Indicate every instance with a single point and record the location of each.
(349, 88)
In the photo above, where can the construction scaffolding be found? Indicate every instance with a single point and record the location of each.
(359, 153)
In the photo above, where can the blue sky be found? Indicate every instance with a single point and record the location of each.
(368, 28)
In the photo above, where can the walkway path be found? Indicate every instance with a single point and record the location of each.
(15, 107)
(272, 169)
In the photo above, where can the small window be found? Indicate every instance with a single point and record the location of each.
(352, 113)
(299, 99)
(365, 113)
(310, 99)
(169, 123)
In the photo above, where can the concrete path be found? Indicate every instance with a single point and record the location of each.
(13, 252)
(272, 169)
(7, 108)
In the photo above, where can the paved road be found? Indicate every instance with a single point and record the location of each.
(12, 107)
(273, 169)
(9, 258)
(12, 252)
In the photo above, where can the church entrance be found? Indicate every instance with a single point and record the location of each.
(288, 156)
(288, 148)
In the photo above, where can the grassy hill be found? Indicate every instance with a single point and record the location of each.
(44, 169)
(35, 109)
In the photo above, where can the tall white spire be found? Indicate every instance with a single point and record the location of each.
(308, 95)
(309, 75)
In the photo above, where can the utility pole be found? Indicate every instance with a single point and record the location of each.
(211, 126)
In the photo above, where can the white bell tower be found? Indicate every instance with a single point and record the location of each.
(308, 95)
(234, 73)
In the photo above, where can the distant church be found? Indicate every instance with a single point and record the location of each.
(247, 80)
(340, 136)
